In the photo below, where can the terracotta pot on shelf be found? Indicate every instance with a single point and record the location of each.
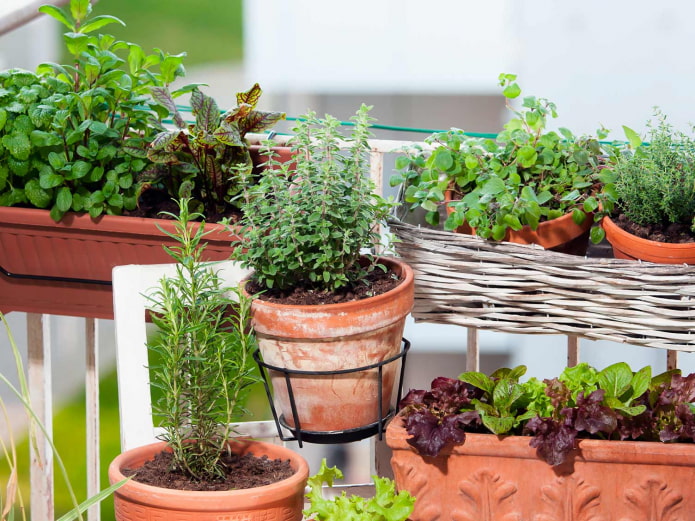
(561, 235)
(501, 479)
(335, 337)
(283, 500)
(65, 268)
(628, 246)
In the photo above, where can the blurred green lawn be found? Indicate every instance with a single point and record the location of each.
(209, 31)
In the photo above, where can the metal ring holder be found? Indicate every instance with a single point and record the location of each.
(344, 436)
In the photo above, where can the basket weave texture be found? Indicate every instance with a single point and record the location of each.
(468, 281)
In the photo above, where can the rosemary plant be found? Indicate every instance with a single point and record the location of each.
(203, 351)
(305, 222)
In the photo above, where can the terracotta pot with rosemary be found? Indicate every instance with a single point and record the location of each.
(324, 304)
(202, 367)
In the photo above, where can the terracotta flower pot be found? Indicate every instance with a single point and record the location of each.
(283, 500)
(501, 479)
(65, 267)
(334, 337)
(628, 246)
(562, 234)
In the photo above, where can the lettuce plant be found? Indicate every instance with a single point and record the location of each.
(386, 505)
(613, 404)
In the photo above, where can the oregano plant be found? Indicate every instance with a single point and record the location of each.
(306, 222)
(526, 175)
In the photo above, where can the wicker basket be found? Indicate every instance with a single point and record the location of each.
(468, 281)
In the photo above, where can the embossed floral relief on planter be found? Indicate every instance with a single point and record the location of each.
(491, 478)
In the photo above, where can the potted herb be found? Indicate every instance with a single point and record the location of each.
(586, 445)
(203, 352)
(323, 304)
(74, 160)
(528, 185)
(654, 218)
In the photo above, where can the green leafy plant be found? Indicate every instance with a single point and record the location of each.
(63, 128)
(524, 176)
(614, 403)
(12, 505)
(305, 223)
(386, 505)
(204, 350)
(206, 161)
(655, 181)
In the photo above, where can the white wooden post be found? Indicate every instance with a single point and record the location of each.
(92, 414)
(40, 385)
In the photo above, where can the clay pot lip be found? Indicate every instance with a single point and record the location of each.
(618, 234)
(36, 217)
(586, 448)
(158, 495)
(538, 236)
(406, 283)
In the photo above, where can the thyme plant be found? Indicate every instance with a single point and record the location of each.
(203, 351)
(655, 181)
(306, 221)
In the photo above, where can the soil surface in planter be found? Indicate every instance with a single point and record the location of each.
(378, 282)
(673, 233)
(242, 471)
(153, 202)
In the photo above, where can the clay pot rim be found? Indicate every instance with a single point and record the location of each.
(611, 228)
(158, 496)
(586, 448)
(130, 225)
(406, 272)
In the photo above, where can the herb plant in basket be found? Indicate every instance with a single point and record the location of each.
(321, 308)
(654, 218)
(202, 366)
(595, 442)
(529, 185)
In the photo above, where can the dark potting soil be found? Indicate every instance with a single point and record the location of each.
(673, 233)
(153, 202)
(245, 471)
(377, 282)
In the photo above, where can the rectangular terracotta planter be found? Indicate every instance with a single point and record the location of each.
(490, 478)
(65, 268)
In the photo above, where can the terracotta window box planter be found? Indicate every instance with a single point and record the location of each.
(500, 479)
(65, 268)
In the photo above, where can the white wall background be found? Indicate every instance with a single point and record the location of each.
(602, 62)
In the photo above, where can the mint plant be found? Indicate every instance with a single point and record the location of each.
(654, 181)
(614, 403)
(305, 222)
(203, 349)
(207, 160)
(524, 176)
(63, 128)
(386, 505)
